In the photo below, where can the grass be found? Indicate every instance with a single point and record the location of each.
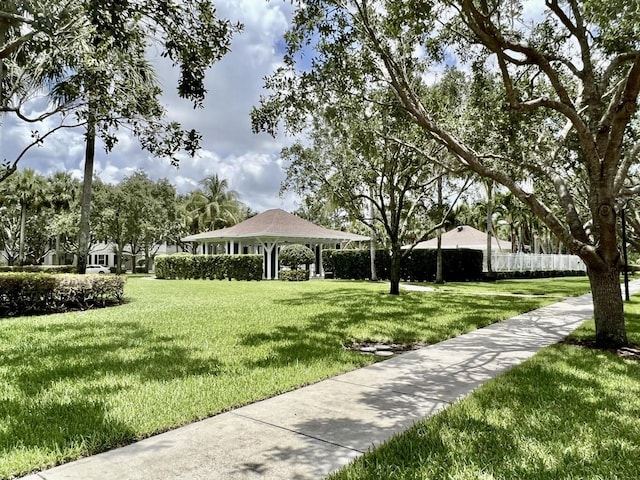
(549, 287)
(177, 351)
(568, 413)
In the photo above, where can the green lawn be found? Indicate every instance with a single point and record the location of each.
(568, 413)
(548, 286)
(177, 351)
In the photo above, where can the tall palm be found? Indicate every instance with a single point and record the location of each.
(215, 205)
(27, 189)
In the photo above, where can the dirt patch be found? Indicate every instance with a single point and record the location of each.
(374, 348)
(631, 351)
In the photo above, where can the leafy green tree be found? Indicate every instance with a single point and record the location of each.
(38, 41)
(572, 76)
(63, 195)
(111, 85)
(111, 201)
(159, 220)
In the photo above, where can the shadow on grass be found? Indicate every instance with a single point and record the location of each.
(567, 413)
(61, 377)
(349, 315)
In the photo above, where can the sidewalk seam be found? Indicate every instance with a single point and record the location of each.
(295, 431)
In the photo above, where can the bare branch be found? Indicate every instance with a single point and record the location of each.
(630, 158)
(13, 165)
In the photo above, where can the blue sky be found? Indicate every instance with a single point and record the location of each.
(250, 162)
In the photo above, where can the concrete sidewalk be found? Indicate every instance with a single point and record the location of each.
(310, 432)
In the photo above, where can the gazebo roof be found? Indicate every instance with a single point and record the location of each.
(275, 225)
(465, 236)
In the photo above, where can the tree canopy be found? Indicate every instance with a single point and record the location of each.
(568, 83)
(92, 53)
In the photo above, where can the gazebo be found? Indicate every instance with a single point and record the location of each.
(465, 236)
(266, 232)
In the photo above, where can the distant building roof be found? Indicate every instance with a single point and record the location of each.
(465, 236)
(275, 225)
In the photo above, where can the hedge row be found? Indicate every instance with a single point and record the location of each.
(220, 267)
(417, 266)
(40, 269)
(355, 264)
(25, 293)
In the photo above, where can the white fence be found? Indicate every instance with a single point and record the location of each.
(529, 262)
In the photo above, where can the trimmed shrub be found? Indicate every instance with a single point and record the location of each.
(24, 293)
(293, 256)
(294, 275)
(220, 267)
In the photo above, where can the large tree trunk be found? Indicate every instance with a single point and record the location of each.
(58, 250)
(85, 210)
(608, 309)
(23, 223)
(489, 227)
(439, 279)
(372, 255)
(372, 241)
(394, 274)
(120, 248)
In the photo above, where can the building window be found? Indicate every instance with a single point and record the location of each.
(102, 260)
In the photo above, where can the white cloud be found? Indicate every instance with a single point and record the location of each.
(229, 148)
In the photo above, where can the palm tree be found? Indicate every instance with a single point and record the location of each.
(215, 206)
(28, 191)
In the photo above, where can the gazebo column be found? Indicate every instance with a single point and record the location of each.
(320, 267)
(268, 250)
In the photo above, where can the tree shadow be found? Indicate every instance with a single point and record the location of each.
(346, 316)
(59, 384)
(561, 414)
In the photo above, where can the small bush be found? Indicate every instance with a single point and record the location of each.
(294, 275)
(220, 267)
(293, 256)
(24, 293)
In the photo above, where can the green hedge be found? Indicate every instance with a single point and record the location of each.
(458, 265)
(294, 275)
(40, 269)
(355, 264)
(220, 267)
(417, 266)
(25, 293)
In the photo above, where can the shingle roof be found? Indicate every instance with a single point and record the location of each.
(465, 236)
(275, 224)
